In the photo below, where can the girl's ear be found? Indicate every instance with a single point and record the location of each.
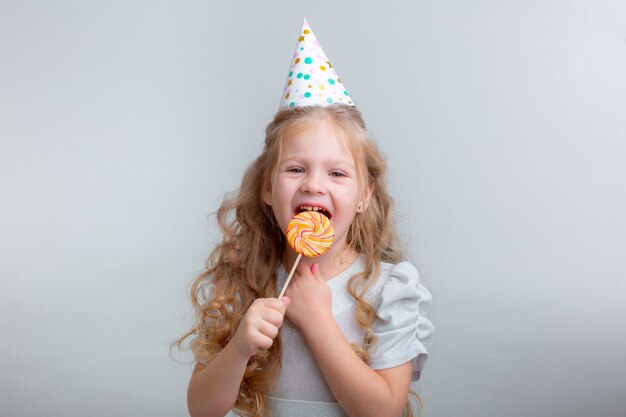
(365, 202)
(267, 193)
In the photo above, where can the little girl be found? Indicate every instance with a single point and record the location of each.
(351, 332)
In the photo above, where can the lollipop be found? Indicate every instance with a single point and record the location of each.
(309, 233)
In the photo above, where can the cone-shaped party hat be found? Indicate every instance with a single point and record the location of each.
(312, 80)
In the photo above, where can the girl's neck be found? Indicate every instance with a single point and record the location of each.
(331, 264)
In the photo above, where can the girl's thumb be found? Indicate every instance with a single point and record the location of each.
(286, 301)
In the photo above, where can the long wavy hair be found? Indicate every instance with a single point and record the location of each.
(243, 266)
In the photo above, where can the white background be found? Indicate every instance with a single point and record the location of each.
(122, 124)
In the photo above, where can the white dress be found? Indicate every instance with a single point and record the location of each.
(404, 332)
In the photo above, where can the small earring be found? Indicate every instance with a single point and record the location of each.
(359, 208)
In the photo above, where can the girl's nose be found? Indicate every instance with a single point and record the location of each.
(313, 184)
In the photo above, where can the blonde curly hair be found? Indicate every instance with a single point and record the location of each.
(243, 265)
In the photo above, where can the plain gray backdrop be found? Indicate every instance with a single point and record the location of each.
(122, 124)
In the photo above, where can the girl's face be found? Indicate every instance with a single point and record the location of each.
(317, 170)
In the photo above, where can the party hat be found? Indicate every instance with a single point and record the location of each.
(312, 80)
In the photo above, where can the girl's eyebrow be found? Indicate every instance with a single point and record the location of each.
(343, 163)
(332, 162)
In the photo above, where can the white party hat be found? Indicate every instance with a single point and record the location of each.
(312, 80)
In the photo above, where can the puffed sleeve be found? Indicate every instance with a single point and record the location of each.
(402, 326)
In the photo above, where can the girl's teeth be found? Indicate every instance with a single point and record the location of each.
(313, 208)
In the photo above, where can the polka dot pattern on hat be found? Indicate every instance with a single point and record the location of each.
(311, 72)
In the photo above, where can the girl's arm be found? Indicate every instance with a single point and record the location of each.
(213, 389)
(359, 390)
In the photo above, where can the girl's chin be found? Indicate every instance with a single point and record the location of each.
(333, 251)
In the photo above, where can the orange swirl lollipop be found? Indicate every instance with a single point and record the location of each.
(309, 233)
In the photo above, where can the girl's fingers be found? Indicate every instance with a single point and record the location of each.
(274, 304)
(263, 342)
(315, 271)
(302, 269)
(271, 310)
(261, 324)
(273, 317)
(268, 329)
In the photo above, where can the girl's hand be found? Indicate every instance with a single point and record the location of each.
(310, 297)
(260, 325)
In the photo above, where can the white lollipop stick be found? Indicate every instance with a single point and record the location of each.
(293, 269)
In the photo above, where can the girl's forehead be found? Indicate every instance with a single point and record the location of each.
(318, 133)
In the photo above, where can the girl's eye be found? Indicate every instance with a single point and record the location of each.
(337, 174)
(295, 170)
